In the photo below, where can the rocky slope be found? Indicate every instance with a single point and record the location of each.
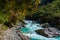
(13, 34)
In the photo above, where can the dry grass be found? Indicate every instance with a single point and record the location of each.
(3, 28)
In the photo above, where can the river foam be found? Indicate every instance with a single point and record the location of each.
(29, 31)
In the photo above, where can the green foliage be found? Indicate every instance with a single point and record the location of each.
(13, 10)
(3, 17)
(46, 12)
(49, 11)
(52, 8)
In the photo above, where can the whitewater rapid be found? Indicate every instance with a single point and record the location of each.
(30, 28)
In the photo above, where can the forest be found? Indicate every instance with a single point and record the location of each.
(44, 11)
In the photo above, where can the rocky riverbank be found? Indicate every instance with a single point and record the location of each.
(14, 34)
(48, 31)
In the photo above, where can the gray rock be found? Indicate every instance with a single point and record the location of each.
(49, 32)
(14, 34)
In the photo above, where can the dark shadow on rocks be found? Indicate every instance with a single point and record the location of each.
(55, 22)
(8, 24)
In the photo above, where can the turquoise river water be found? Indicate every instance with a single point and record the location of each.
(29, 31)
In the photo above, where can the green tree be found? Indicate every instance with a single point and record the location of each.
(50, 10)
(13, 10)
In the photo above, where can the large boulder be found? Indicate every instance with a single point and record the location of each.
(41, 32)
(48, 32)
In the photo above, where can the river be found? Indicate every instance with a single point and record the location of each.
(29, 31)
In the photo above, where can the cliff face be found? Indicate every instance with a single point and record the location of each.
(13, 34)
